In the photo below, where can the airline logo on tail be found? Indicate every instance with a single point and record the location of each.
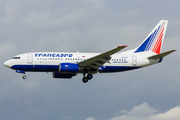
(155, 39)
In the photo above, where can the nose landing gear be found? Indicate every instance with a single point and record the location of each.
(86, 78)
(24, 77)
(23, 72)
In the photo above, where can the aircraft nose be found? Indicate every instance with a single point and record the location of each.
(8, 63)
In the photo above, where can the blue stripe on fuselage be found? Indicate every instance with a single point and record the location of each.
(55, 68)
(116, 68)
(37, 68)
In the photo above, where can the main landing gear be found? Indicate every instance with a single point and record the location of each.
(86, 78)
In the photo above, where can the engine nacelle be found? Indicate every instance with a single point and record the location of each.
(69, 67)
(62, 75)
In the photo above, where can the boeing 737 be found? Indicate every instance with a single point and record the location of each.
(69, 64)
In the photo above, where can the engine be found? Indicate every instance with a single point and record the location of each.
(62, 75)
(69, 67)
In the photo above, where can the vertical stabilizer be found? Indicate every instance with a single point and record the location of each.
(154, 40)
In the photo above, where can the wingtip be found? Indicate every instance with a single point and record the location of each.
(174, 50)
(123, 46)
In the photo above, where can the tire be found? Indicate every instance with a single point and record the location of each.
(89, 76)
(24, 77)
(85, 80)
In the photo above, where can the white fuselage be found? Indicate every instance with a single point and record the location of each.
(49, 61)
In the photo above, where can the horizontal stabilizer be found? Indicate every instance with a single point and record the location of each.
(161, 55)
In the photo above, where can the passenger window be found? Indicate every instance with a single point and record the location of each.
(16, 58)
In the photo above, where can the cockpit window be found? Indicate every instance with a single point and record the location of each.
(16, 57)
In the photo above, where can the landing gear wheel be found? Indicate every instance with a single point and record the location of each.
(89, 76)
(85, 80)
(24, 77)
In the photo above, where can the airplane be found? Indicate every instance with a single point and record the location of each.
(69, 64)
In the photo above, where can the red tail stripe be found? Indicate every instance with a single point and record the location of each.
(157, 45)
(159, 48)
(159, 41)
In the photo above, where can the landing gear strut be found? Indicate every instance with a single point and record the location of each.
(23, 72)
(86, 78)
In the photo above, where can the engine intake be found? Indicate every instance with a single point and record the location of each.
(69, 67)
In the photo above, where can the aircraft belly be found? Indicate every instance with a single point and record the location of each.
(37, 68)
(116, 68)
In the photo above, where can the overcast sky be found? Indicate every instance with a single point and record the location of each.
(150, 93)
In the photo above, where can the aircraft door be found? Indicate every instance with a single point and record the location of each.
(134, 60)
(30, 58)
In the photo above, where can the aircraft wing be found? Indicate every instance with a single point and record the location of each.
(99, 60)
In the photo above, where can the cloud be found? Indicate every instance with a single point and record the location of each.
(6, 48)
(15, 89)
(11, 11)
(90, 118)
(145, 112)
